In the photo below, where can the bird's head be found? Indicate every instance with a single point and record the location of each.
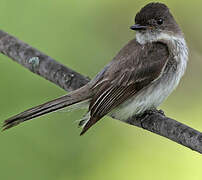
(154, 21)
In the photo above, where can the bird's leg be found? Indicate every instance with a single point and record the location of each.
(146, 114)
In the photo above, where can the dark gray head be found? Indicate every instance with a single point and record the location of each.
(155, 18)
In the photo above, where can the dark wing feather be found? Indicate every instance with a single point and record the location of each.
(132, 69)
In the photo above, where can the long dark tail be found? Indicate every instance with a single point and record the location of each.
(54, 105)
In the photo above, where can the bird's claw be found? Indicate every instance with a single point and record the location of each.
(147, 113)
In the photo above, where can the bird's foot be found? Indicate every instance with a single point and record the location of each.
(146, 114)
(153, 111)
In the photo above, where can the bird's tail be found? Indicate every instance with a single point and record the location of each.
(72, 98)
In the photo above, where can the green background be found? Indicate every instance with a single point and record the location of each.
(85, 35)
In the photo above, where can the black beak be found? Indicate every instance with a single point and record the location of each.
(137, 27)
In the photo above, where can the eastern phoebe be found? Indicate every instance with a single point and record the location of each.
(139, 78)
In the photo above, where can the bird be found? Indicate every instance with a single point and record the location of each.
(139, 78)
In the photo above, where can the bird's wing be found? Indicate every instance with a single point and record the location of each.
(126, 76)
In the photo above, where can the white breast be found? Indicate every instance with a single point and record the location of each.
(156, 93)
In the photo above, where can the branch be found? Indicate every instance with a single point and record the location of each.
(39, 63)
(64, 77)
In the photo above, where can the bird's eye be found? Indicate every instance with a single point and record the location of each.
(160, 21)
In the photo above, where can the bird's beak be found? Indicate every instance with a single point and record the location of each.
(137, 27)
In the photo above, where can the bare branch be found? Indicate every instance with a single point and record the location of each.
(39, 63)
(158, 123)
(68, 79)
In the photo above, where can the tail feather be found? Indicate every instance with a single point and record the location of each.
(54, 105)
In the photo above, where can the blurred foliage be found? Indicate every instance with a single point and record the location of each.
(82, 35)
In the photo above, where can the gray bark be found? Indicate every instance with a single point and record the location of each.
(39, 63)
(69, 80)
